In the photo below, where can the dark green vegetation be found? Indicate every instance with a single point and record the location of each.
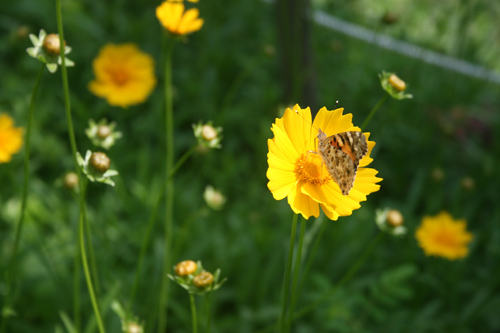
(225, 74)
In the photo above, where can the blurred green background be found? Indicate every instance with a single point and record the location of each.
(229, 72)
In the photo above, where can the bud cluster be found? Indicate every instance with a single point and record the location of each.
(191, 276)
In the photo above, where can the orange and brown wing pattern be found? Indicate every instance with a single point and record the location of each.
(341, 154)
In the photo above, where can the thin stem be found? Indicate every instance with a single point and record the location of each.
(354, 268)
(19, 229)
(317, 241)
(296, 271)
(347, 276)
(169, 124)
(151, 222)
(76, 290)
(71, 134)
(67, 102)
(372, 112)
(93, 265)
(288, 270)
(194, 318)
(207, 299)
(88, 278)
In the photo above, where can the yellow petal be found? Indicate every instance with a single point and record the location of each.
(302, 204)
(297, 125)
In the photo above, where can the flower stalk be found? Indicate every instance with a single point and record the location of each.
(82, 182)
(19, 229)
(345, 278)
(151, 222)
(194, 317)
(373, 111)
(296, 272)
(81, 238)
(286, 280)
(169, 125)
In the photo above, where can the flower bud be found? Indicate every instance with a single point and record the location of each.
(71, 180)
(22, 32)
(204, 279)
(185, 268)
(213, 198)
(393, 85)
(100, 162)
(52, 44)
(103, 131)
(134, 328)
(390, 221)
(468, 183)
(208, 132)
(397, 83)
(207, 135)
(394, 218)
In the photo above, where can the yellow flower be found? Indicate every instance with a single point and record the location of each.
(298, 173)
(11, 138)
(442, 236)
(179, 22)
(124, 75)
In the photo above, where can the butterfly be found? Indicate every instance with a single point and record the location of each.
(341, 154)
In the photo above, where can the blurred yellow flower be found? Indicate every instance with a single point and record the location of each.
(124, 75)
(442, 236)
(298, 173)
(179, 22)
(11, 138)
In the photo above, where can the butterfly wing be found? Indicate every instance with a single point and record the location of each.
(341, 154)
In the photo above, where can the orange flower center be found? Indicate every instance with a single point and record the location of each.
(120, 77)
(446, 239)
(310, 168)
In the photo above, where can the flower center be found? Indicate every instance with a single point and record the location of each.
(310, 168)
(120, 77)
(446, 239)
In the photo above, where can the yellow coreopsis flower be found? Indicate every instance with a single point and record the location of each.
(11, 138)
(177, 20)
(442, 236)
(124, 75)
(296, 171)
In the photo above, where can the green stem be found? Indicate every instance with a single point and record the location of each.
(88, 278)
(207, 299)
(151, 222)
(296, 272)
(169, 124)
(71, 134)
(347, 276)
(11, 273)
(93, 265)
(354, 268)
(194, 318)
(372, 112)
(288, 270)
(67, 102)
(317, 241)
(76, 290)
